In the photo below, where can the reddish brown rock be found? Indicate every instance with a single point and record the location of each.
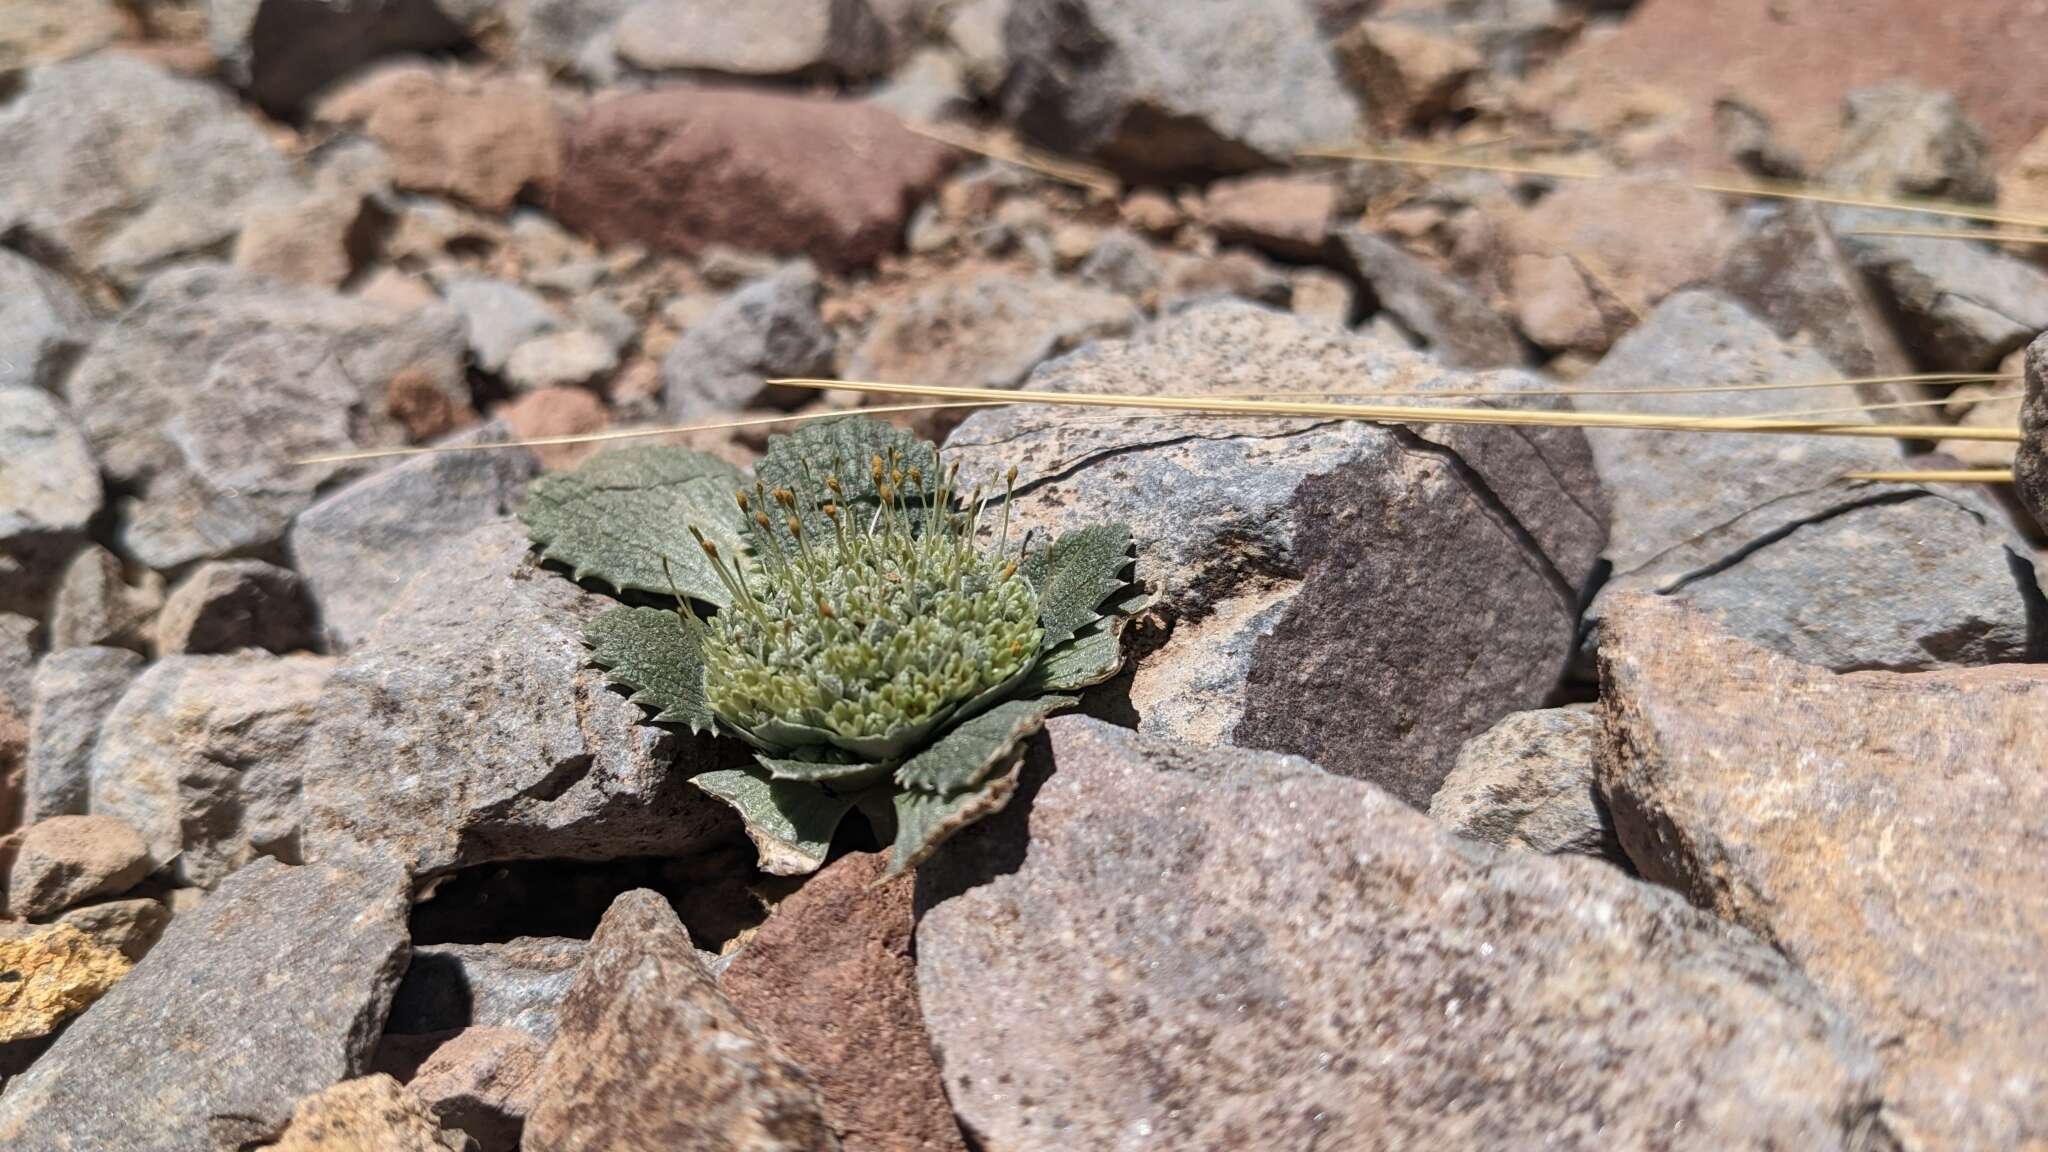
(1288, 217)
(483, 1081)
(374, 1112)
(555, 412)
(1882, 830)
(483, 139)
(830, 979)
(67, 860)
(678, 168)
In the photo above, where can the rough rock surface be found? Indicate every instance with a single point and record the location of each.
(40, 31)
(217, 381)
(1961, 307)
(1900, 139)
(482, 1082)
(118, 166)
(44, 325)
(497, 317)
(95, 604)
(1262, 538)
(676, 169)
(1763, 530)
(767, 39)
(1286, 216)
(651, 1055)
(517, 984)
(2031, 469)
(130, 927)
(1527, 782)
(374, 1112)
(71, 693)
(769, 328)
(270, 990)
(1790, 271)
(484, 140)
(68, 860)
(830, 980)
(53, 973)
(1222, 87)
(283, 52)
(1883, 831)
(49, 493)
(569, 358)
(1228, 949)
(1460, 328)
(225, 605)
(469, 727)
(362, 544)
(203, 756)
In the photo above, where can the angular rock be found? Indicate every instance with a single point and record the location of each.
(17, 664)
(556, 412)
(497, 317)
(1225, 949)
(270, 990)
(677, 169)
(469, 727)
(44, 325)
(1764, 531)
(282, 52)
(831, 981)
(1285, 216)
(518, 984)
(565, 36)
(482, 1083)
(321, 238)
(204, 756)
(54, 973)
(767, 329)
(1221, 88)
(1788, 270)
(1959, 306)
(651, 1055)
(1406, 73)
(49, 493)
(1899, 139)
(227, 605)
(36, 32)
(1260, 540)
(73, 691)
(2023, 185)
(2030, 470)
(1527, 782)
(119, 167)
(769, 39)
(482, 139)
(374, 1112)
(1883, 831)
(95, 605)
(130, 927)
(1122, 262)
(1462, 330)
(974, 31)
(217, 381)
(1188, 279)
(978, 327)
(561, 359)
(67, 860)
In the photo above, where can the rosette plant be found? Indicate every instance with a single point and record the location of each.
(881, 640)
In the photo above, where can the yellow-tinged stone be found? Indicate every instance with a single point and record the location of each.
(51, 976)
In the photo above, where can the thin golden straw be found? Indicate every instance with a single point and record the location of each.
(1891, 404)
(1408, 414)
(1940, 476)
(1568, 390)
(1080, 175)
(632, 433)
(1954, 234)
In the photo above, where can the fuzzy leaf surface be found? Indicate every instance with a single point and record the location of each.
(1086, 660)
(925, 819)
(967, 755)
(840, 777)
(800, 461)
(790, 823)
(1083, 568)
(652, 652)
(619, 513)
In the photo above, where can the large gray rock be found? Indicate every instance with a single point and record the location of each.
(204, 755)
(1262, 539)
(651, 1055)
(228, 605)
(1882, 831)
(2031, 467)
(518, 984)
(1527, 782)
(1460, 327)
(469, 727)
(1788, 269)
(49, 493)
(1763, 529)
(1217, 949)
(363, 543)
(282, 52)
(1221, 87)
(767, 329)
(217, 381)
(118, 167)
(767, 39)
(43, 324)
(271, 990)
(1959, 306)
(72, 693)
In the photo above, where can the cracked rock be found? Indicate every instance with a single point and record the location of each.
(1265, 540)
(1228, 949)
(2031, 467)
(1763, 531)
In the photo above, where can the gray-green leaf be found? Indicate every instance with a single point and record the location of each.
(841, 777)
(1084, 568)
(800, 461)
(925, 819)
(1088, 659)
(615, 518)
(652, 652)
(791, 824)
(965, 756)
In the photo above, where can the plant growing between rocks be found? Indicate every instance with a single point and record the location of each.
(880, 642)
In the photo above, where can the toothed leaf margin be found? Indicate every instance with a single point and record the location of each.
(653, 653)
(616, 516)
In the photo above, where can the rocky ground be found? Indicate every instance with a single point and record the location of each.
(1469, 787)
